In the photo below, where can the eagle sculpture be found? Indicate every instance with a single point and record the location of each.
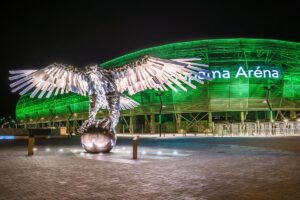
(105, 88)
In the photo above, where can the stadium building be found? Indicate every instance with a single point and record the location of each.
(255, 90)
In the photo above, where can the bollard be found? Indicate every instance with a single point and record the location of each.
(30, 145)
(135, 148)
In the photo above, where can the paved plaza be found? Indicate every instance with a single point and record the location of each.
(168, 168)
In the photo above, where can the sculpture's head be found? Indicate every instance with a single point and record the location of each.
(91, 68)
(94, 72)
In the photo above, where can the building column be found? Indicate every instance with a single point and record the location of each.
(146, 124)
(270, 116)
(152, 123)
(178, 121)
(293, 115)
(242, 117)
(174, 123)
(210, 122)
(75, 124)
(132, 122)
(68, 126)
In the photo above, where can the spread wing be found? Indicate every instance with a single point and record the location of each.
(125, 103)
(54, 79)
(159, 74)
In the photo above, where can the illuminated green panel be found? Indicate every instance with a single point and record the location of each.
(28, 108)
(222, 94)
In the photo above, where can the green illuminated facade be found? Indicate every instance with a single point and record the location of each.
(226, 95)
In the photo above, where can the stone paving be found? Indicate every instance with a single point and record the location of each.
(171, 168)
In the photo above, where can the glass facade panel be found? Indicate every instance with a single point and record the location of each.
(227, 92)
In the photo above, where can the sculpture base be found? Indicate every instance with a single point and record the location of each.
(98, 141)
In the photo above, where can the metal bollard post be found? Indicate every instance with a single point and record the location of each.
(135, 148)
(30, 145)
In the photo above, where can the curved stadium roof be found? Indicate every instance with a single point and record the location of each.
(223, 94)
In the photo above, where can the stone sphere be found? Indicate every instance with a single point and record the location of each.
(98, 141)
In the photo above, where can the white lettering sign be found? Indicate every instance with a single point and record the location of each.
(257, 72)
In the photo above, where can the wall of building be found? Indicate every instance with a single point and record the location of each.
(227, 93)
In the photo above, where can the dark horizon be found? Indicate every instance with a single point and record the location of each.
(36, 34)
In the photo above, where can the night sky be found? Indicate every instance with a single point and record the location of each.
(35, 34)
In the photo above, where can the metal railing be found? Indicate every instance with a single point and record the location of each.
(257, 129)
